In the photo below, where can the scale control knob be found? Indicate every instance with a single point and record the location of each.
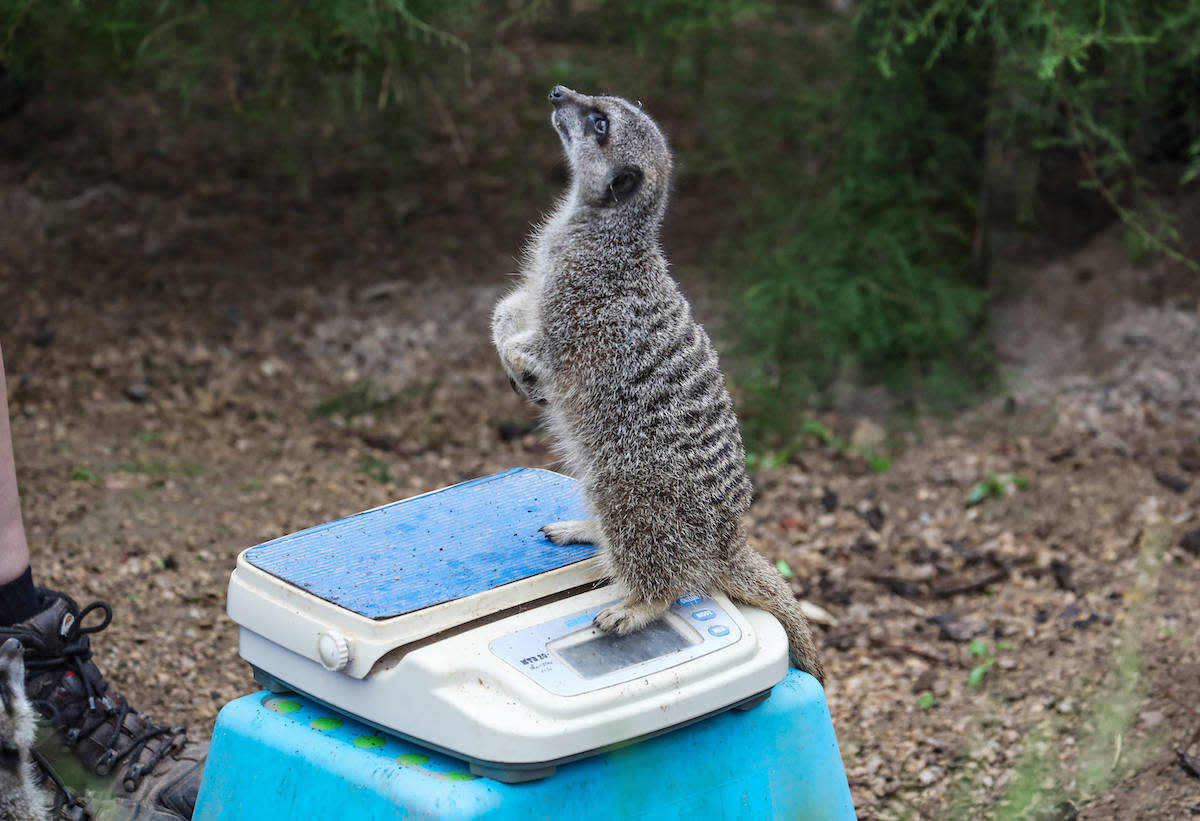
(334, 650)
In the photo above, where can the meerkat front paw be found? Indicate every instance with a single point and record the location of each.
(526, 385)
(579, 531)
(626, 617)
(522, 370)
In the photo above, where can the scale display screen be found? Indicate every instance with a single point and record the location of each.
(599, 655)
(568, 656)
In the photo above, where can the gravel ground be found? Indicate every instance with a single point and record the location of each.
(198, 363)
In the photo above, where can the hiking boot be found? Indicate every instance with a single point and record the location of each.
(126, 765)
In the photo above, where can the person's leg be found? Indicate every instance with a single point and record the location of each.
(14, 551)
(18, 600)
(151, 771)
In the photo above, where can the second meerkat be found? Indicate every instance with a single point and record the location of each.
(600, 335)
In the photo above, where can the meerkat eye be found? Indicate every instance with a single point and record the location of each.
(597, 123)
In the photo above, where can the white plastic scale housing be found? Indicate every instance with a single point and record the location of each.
(451, 620)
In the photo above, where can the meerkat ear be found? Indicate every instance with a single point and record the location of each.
(624, 183)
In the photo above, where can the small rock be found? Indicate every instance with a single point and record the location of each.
(867, 434)
(1171, 482)
(508, 431)
(864, 546)
(1062, 811)
(900, 587)
(1152, 718)
(1190, 461)
(817, 614)
(952, 627)
(42, 337)
(1062, 574)
(1190, 764)
(1191, 542)
(829, 501)
(138, 392)
(925, 682)
(874, 518)
(841, 639)
(1061, 454)
(1083, 624)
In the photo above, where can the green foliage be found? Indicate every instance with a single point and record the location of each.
(285, 73)
(980, 650)
(784, 569)
(271, 51)
(82, 473)
(863, 159)
(161, 469)
(995, 486)
(867, 260)
(815, 430)
(926, 701)
(375, 468)
(1116, 84)
(358, 399)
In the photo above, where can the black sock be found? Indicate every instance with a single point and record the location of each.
(18, 599)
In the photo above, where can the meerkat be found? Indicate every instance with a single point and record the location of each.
(601, 336)
(22, 797)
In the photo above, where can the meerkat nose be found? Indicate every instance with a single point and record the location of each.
(559, 94)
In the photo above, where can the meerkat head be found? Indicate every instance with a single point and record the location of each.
(619, 158)
(17, 723)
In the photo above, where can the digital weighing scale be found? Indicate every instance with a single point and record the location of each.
(450, 620)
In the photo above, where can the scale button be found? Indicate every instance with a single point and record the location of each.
(718, 630)
(689, 599)
(703, 615)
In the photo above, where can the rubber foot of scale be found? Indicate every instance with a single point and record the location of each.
(511, 776)
(270, 683)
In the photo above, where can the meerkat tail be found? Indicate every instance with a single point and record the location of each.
(753, 581)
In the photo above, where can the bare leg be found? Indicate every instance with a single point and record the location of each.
(14, 550)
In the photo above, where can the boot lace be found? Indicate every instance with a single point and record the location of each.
(102, 710)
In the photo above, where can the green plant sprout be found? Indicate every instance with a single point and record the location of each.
(979, 649)
(995, 486)
(82, 473)
(375, 467)
(360, 398)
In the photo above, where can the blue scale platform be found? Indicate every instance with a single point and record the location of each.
(434, 548)
(284, 758)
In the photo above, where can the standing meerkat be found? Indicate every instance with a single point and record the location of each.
(600, 335)
(22, 797)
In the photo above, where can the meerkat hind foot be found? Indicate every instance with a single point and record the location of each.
(627, 617)
(576, 531)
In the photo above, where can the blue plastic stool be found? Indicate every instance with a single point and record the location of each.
(284, 758)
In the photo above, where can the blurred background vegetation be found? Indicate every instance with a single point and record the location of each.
(867, 161)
